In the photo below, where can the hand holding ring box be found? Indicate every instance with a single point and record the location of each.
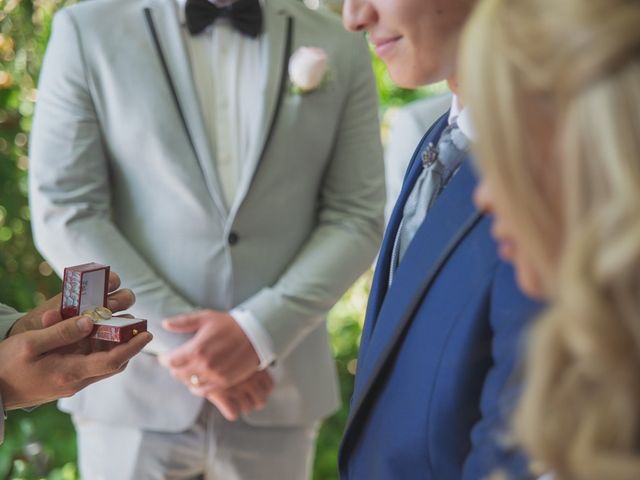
(84, 292)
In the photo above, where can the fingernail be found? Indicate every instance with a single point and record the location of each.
(85, 324)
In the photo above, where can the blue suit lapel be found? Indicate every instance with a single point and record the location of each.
(451, 218)
(383, 265)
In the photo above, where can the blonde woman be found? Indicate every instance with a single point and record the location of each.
(554, 91)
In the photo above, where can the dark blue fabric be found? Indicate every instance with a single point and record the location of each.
(439, 349)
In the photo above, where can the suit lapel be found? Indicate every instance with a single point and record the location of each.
(383, 266)
(165, 32)
(450, 220)
(279, 30)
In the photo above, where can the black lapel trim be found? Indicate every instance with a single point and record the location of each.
(283, 83)
(165, 67)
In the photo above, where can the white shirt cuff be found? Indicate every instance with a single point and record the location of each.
(7, 322)
(256, 334)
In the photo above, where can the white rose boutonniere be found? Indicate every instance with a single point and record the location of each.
(308, 68)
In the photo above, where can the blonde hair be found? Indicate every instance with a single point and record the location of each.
(571, 67)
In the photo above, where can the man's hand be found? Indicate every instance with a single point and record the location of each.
(245, 397)
(34, 368)
(218, 356)
(44, 315)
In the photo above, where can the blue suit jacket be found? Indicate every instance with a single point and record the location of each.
(438, 348)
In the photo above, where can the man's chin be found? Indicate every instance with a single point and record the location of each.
(405, 78)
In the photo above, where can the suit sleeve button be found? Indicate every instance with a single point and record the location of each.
(233, 238)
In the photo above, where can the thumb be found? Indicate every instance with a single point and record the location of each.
(63, 333)
(188, 323)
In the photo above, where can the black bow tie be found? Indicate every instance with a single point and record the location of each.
(244, 15)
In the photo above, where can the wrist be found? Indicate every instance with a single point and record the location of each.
(11, 325)
(14, 329)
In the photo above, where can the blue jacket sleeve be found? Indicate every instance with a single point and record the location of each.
(510, 314)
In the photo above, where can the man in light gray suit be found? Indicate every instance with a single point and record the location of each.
(232, 203)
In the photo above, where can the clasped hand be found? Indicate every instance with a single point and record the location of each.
(218, 363)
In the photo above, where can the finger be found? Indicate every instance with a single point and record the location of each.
(121, 300)
(124, 352)
(264, 382)
(245, 398)
(205, 377)
(227, 406)
(232, 364)
(88, 381)
(179, 358)
(254, 398)
(186, 376)
(183, 375)
(104, 363)
(187, 323)
(50, 317)
(83, 347)
(114, 281)
(201, 390)
(52, 304)
(61, 334)
(260, 386)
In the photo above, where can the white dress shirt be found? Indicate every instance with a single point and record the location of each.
(229, 76)
(460, 114)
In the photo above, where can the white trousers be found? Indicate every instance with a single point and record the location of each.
(213, 449)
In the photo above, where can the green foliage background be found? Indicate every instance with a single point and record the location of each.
(41, 444)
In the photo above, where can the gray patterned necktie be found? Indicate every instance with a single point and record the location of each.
(439, 164)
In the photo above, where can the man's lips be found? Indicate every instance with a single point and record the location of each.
(384, 45)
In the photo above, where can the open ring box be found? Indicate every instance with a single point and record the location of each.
(85, 287)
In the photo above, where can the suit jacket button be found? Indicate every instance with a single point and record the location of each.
(233, 238)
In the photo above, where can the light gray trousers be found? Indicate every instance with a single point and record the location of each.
(213, 449)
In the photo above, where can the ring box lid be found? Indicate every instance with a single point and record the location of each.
(85, 287)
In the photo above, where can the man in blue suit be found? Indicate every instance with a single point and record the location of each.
(445, 319)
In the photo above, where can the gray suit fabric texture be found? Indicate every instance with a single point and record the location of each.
(212, 449)
(117, 177)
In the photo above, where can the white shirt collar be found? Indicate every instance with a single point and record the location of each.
(460, 114)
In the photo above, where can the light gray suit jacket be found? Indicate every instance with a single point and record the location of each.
(122, 173)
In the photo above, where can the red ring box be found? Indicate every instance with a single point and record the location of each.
(85, 287)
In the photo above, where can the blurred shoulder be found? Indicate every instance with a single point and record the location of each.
(105, 10)
(425, 112)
